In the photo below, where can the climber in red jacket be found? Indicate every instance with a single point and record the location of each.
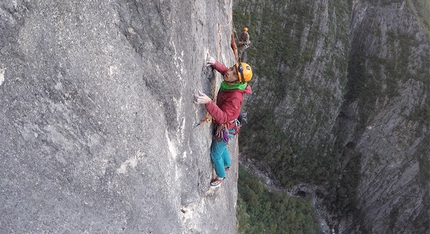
(226, 111)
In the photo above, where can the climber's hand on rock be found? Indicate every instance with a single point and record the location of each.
(210, 61)
(201, 98)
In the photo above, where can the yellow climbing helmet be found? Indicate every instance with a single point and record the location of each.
(245, 29)
(244, 72)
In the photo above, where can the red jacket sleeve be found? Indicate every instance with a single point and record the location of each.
(221, 68)
(229, 110)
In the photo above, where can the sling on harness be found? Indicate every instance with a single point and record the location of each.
(224, 133)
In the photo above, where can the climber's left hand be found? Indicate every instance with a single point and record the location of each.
(210, 61)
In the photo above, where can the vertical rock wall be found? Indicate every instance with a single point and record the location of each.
(97, 117)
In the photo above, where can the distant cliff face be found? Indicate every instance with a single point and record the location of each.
(342, 103)
(386, 117)
(97, 117)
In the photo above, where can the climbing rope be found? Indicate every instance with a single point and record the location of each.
(234, 38)
(208, 117)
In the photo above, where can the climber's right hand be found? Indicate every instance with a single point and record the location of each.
(210, 61)
(201, 98)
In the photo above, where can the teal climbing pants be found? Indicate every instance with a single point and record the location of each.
(220, 157)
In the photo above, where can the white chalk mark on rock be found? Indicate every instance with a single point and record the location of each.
(2, 70)
(130, 163)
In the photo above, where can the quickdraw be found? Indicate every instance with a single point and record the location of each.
(207, 119)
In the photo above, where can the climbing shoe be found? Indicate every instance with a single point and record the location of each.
(217, 181)
(227, 169)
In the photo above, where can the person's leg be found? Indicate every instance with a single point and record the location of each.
(218, 149)
(240, 51)
(226, 158)
(244, 56)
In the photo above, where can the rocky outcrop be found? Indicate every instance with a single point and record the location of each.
(97, 117)
(386, 118)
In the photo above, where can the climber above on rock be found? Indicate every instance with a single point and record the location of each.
(225, 111)
(244, 41)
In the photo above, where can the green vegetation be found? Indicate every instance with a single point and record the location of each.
(279, 56)
(343, 195)
(284, 37)
(276, 33)
(261, 211)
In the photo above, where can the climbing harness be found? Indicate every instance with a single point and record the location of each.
(225, 133)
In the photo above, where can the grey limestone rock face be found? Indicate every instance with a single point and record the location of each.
(390, 51)
(97, 117)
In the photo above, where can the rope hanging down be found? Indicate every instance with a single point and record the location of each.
(208, 117)
(234, 38)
